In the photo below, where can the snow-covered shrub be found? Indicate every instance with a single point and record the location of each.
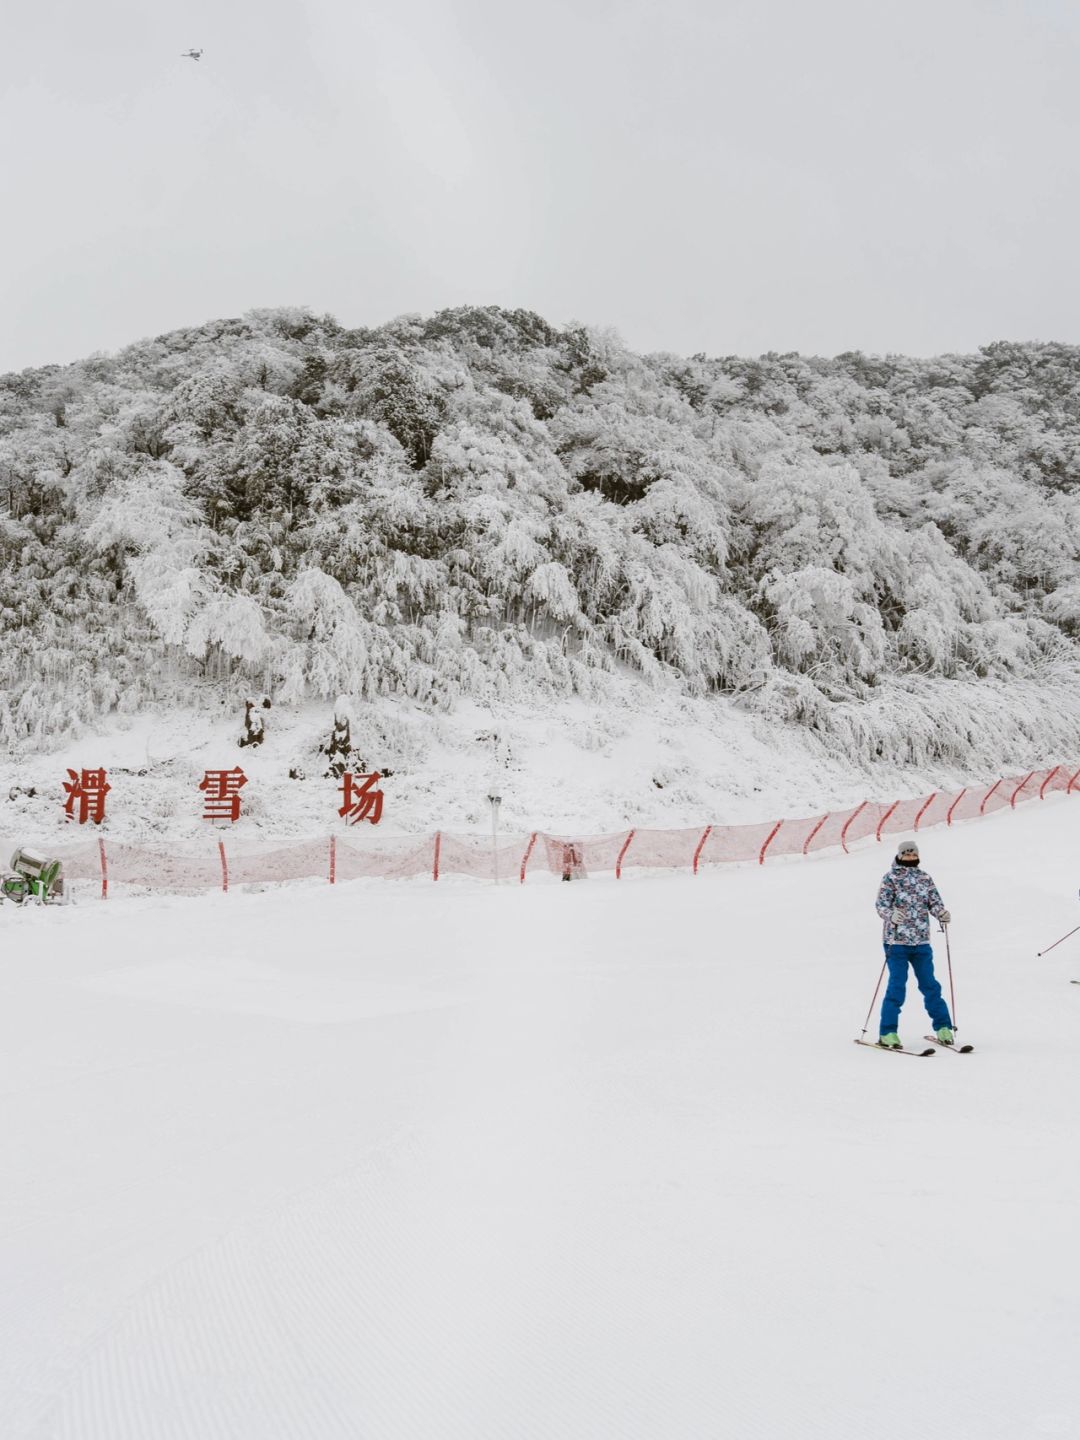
(479, 504)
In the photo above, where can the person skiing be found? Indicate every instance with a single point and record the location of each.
(906, 900)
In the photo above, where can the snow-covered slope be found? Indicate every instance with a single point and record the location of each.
(598, 1160)
(664, 761)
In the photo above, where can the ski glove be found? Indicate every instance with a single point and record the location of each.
(945, 918)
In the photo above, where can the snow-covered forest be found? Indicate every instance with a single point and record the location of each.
(482, 504)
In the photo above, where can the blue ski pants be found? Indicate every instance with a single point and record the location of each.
(921, 960)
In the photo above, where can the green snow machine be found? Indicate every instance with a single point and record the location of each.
(32, 877)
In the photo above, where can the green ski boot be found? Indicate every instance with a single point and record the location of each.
(891, 1042)
(944, 1035)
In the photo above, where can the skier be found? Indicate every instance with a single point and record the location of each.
(906, 900)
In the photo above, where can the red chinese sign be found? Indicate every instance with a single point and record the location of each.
(362, 798)
(86, 791)
(89, 788)
(222, 793)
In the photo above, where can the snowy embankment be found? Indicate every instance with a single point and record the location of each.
(655, 760)
(594, 1160)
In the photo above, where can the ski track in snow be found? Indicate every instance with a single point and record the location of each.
(574, 1161)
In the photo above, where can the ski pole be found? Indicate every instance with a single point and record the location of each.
(952, 992)
(873, 1002)
(1057, 942)
(877, 987)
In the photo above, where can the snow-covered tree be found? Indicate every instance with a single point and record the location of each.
(478, 503)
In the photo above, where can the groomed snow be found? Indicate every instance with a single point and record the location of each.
(595, 1161)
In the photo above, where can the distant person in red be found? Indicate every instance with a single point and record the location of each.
(906, 900)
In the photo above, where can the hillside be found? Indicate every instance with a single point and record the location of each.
(481, 506)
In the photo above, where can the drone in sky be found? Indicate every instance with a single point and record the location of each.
(192, 55)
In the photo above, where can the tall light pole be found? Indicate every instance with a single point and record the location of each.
(495, 801)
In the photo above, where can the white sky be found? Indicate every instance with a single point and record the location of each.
(730, 176)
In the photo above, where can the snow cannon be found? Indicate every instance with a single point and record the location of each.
(33, 877)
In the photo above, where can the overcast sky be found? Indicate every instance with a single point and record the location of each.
(727, 176)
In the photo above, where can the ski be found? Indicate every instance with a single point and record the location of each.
(959, 1049)
(891, 1049)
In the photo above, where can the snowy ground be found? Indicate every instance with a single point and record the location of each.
(586, 1161)
(655, 760)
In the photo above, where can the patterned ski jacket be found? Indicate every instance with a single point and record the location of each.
(910, 889)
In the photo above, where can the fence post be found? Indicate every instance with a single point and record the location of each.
(1049, 777)
(701, 846)
(1012, 798)
(884, 817)
(438, 851)
(622, 853)
(952, 807)
(813, 832)
(333, 859)
(528, 852)
(986, 797)
(104, 868)
(847, 823)
(768, 842)
(224, 867)
(929, 801)
(1068, 790)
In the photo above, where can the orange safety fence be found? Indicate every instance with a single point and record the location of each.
(225, 863)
